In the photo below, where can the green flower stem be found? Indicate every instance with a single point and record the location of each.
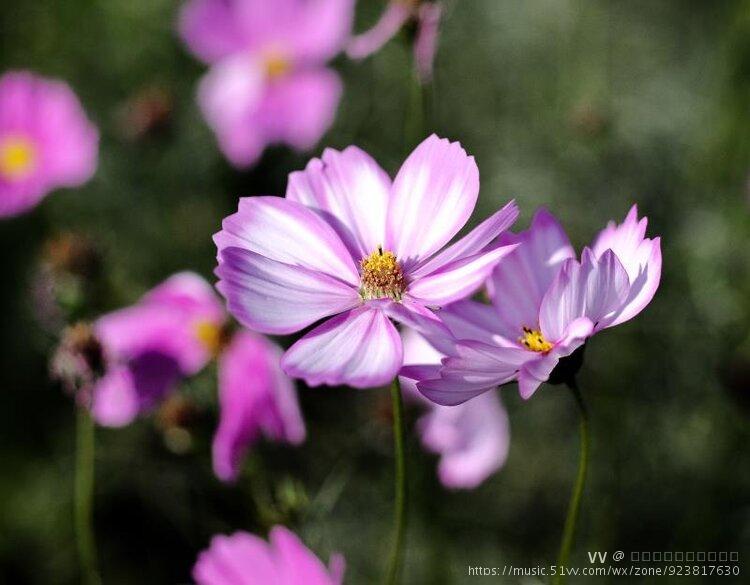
(397, 553)
(575, 498)
(84, 497)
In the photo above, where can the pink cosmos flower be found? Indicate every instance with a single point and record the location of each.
(255, 397)
(246, 559)
(172, 332)
(426, 14)
(545, 305)
(46, 141)
(349, 243)
(268, 82)
(472, 439)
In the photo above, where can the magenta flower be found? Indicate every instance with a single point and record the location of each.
(398, 13)
(472, 439)
(546, 304)
(268, 82)
(255, 397)
(46, 141)
(246, 559)
(172, 332)
(349, 243)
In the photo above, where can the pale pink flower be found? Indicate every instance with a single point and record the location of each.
(350, 243)
(545, 305)
(268, 82)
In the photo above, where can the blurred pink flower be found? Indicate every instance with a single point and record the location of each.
(255, 397)
(346, 241)
(46, 141)
(170, 333)
(246, 559)
(426, 14)
(268, 82)
(472, 439)
(546, 304)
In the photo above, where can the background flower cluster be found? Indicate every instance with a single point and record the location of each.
(582, 109)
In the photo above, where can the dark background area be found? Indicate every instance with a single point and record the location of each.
(584, 107)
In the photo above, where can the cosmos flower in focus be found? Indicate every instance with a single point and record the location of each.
(545, 305)
(46, 140)
(426, 15)
(472, 439)
(350, 243)
(268, 82)
(246, 559)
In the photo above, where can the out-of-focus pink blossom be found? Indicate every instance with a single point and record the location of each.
(350, 244)
(546, 304)
(46, 140)
(268, 82)
(255, 398)
(246, 559)
(170, 333)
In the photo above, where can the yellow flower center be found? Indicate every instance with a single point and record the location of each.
(534, 340)
(276, 64)
(17, 157)
(381, 276)
(211, 335)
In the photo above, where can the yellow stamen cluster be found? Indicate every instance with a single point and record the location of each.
(381, 276)
(534, 340)
(213, 336)
(276, 64)
(17, 157)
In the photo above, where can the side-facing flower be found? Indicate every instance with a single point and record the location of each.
(246, 559)
(546, 304)
(472, 439)
(255, 397)
(425, 13)
(268, 82)
(46, 140)
(349, 243)
(171, 332)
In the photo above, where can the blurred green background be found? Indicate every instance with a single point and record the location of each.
(585, 107)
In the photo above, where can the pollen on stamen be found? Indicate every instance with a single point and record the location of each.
(532, 339)
(382, 276)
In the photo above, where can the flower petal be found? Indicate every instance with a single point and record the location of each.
(254, 396)
(210, 29)
(473, 440)
(425, 44)
(474, 242)
(393, 18)
(360, 348)
(298, 109)
(352, 192)
(458, 279)
(520, 281)
(640, 256)
(297, 563)
(273, 297)
(433, 196)
(472, 320)
(322, 29)
(287, 232)
(594, 288)
(239, 559)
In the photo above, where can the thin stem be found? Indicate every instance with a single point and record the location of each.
(575, 498)
(400, 485)
(84, 497)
